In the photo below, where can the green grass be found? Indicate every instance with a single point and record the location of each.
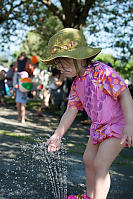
(75, 151)
(125, 157)
(71, 149)
(33, 105)
(26, 138)
(123, 163)
(9, 100)
(32, 140)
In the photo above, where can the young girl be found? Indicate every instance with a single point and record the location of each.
(99, 90)
(21, 97)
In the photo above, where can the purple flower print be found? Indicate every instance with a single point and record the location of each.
(103, 97)
(89, 91)
(85, 99)
(99, 107)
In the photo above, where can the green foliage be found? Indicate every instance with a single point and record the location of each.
(3, 60)
(15, 55)
(125, 70)
(114, 17)
(36, 40)
(31, 44)
(26, 138)
(129, 70)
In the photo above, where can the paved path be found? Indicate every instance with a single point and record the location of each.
(16, 152)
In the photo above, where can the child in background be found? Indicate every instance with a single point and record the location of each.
(9, 75)
(2, 87)
(9, 78)
(21, 97)
(50, 91)
(99, 90)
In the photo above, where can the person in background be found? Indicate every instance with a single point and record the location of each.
(21, 62)
(36, 77)
(49, 92)
(29, 68)
(2, 87)
(9, 78)
(21, 97)
(9, 75)
(55, 87)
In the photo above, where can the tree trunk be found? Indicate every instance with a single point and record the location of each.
(73, 13)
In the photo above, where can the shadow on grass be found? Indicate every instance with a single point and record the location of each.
(13, 136)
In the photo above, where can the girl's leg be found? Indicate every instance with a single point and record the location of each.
(38, 112)
(45, 103)
(23, 111)
(89, 157)
(108, 150)
(46, 97)
(2, 101)
(18, 105)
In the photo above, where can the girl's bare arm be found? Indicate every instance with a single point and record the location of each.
(127, 107)
(66, 121)
(54, 142)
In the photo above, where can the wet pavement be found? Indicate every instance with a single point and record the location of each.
(11, 155)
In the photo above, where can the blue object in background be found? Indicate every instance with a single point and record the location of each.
(7, 89)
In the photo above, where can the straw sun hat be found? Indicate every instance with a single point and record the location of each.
(71, 43)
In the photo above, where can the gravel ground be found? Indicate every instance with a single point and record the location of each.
(24, 171)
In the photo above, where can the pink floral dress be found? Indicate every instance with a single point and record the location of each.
(97, 91)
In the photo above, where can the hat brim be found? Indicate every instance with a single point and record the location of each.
(77, 53)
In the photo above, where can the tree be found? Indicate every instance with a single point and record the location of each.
(126, 71)
(36, 40)
(115, 17)
(3, 61)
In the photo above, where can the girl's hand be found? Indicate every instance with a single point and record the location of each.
(54, 143)
(16, 86)
(127, 135)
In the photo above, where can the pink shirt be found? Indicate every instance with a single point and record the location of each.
(97, 92)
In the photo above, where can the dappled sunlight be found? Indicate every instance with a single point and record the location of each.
(14, 136)
(116, 173)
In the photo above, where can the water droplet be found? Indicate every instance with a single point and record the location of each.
(34, 170)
